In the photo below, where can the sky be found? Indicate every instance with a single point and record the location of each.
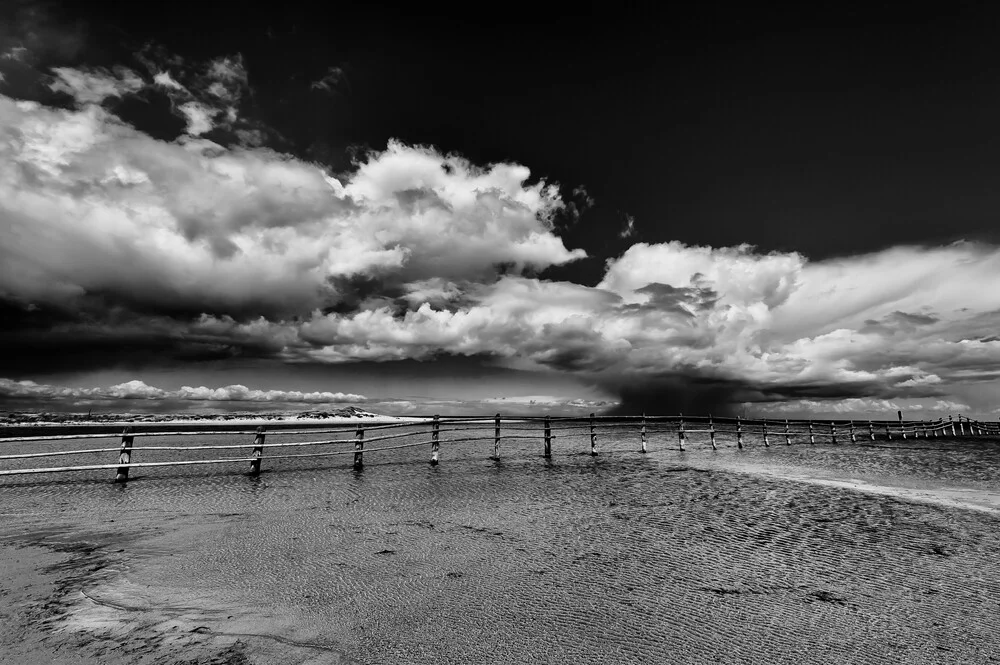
(788, 211)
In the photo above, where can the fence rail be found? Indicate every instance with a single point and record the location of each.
(494, 428)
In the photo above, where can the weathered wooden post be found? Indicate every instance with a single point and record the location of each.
(833, 432)
(258, 451)
(871, 430)
(902, 427)
(961, 426)
(548, 437)
(739, 433)
(763, 427)
(124, 456)
(854, 438)
(593, 436)
(680, 434)
(788, 436)
(435, 440)
(642, 434)
(711, 431)
(888, 433)
(951, 421)
(359, 447)
(812, 437)
(937, 427)
(496, 437)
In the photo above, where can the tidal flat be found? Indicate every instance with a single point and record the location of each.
(849, 553)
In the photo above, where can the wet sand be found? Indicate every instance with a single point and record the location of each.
(816, 554)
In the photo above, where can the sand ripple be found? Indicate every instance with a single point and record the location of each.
(623, 557)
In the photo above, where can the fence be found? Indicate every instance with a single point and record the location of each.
(516, 428)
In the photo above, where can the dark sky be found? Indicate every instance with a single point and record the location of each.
(821, 128)
(856, 142)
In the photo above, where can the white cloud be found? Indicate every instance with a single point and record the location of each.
(949, 407)
(717, 321)
(164, 79)
(200, 226)
(93, 86)
(137, 390)
(199, 117)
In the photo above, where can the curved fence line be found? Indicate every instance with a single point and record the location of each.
(527, 428)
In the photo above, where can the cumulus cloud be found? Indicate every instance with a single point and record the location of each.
(211, 248)
(95, 208)
(93, 86)
(137, 390)
(198, 116)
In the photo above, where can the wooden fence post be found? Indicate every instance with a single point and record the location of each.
(258, 451)
(812, 437)
(548, 437)
(711, 431)
(888, 433)
(763, 427)
(642, 433)
(951, 421)
(854, 438)
(871, 430)
(359, 447)
(435, 440)
(739, 433)
(124, 456)
(788, 436)
(833, 432)
(496, 437)
(593, 436)
(902, 427)
(961, 425)
(680, 434)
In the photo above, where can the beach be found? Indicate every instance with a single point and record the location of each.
(848, 553)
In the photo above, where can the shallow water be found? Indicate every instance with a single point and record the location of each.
(623, 557)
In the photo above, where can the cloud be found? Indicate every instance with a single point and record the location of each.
(628, 230)
(198, 116)
(329, 81)
(164, 79)
(17, 53)
(94, 85)
(882, 408)
(137, 390)
(95, 208)
(196, 248)
(546, 402)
